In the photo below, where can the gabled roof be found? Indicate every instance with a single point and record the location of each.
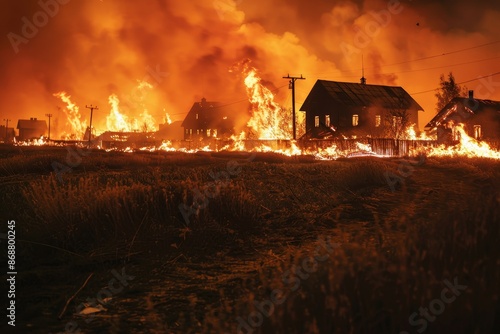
(350, 94)
(471, 106)
(210, 115)
(31, 124)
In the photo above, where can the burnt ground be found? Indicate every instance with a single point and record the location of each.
(179, 280)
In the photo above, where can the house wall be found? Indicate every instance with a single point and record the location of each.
(488, 120)
(342, 118)
(25, 134)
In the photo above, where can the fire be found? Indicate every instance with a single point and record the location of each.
(117, 121)
(269, 119)
(411, 134)
(74, 119)
(467, 147)
(168, 120)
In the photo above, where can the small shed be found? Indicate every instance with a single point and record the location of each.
(31, 128)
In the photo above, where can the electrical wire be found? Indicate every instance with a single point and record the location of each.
(459, 83)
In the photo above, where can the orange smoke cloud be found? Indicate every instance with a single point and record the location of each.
(96, 49)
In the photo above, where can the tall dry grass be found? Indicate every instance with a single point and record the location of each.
(88, 211)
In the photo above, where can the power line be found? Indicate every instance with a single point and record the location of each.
(228, 104)
(413, 60)
(292, 87)
(445, 54)
(429, 68)
(459, 83)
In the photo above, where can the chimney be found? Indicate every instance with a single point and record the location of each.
(471, 95)
(203, 100)
(363, 80)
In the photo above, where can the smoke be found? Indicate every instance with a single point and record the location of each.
(184, 49)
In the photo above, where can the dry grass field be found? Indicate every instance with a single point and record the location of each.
(240, 243)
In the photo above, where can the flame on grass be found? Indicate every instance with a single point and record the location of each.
(466, 147)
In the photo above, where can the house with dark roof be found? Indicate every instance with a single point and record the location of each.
(208, 120)
(335, 109)
(31, 128)
(481, 119)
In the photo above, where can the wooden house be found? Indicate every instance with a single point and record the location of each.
(336, 109)
(31, 128)
(208, 120)
(481, 119)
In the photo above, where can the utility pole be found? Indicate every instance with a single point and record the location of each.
(49, 116)
(6, 128)
(92, 108)
(292, 87)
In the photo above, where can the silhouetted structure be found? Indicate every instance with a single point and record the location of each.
(480, 117)
(335, 109)
(208, 120)
(7, 136)
(31, 128)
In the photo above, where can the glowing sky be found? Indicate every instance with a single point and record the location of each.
(184, 49)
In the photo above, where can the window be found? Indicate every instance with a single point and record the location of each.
(377, 121)
(208, 132)
(316, 121)
(327, 120)
(196, 116)
(215, 133)
(477, 132)
(197, 131)
(355, 120)
(190, 131)
(187, 131)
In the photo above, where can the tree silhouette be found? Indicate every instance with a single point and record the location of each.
(448, 89)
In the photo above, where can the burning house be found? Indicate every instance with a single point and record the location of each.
(31, 128)
(208, 120)
(335, 109)
(481, 119)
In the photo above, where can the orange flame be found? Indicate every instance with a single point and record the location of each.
(117, 121)
(74, 119)
(467, 147)
(269, 119)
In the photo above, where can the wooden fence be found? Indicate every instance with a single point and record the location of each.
(381, 146)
